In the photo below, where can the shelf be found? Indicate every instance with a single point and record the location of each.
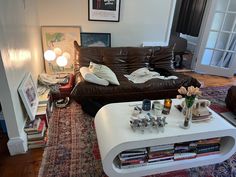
(226, 144)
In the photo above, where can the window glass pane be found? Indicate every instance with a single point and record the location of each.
(229, 22)
(222, 59)
(232, 5)
(232, 43)
(221, 5)
(211, 42)
(222, 41)
(206, 59)
(217, 21)
(227, 59)
(216, 59)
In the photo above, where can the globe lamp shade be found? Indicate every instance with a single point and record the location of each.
(67, 55)
(58, 51)
(49, 55)
(61, 61)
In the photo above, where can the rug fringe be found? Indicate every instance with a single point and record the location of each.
(43, 163)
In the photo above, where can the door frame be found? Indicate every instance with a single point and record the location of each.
(201, 40)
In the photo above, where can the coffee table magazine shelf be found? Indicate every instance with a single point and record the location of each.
(115, 135)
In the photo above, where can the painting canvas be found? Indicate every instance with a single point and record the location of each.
(28, 94)
(104, 10)
(62, 37)
(96, 39)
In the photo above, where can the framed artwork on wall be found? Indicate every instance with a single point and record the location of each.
(104, 10)
(60, 40)
(95, 39)
(29, 96)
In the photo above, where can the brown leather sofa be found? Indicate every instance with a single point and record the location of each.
(124, 60)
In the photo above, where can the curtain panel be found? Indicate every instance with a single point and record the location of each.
(190, 17)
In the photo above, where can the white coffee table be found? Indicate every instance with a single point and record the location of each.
(115, 135)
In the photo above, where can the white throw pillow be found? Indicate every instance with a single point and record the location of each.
(90, 77)
(103, 72)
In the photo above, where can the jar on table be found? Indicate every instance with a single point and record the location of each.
(167, 106)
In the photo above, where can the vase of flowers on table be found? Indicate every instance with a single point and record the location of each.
(190, 95)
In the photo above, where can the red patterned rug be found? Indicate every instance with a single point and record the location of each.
(72, 149)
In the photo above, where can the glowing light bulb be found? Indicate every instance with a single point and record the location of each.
(61, 61)
(49, 55)
(67, 55)
(58, 51)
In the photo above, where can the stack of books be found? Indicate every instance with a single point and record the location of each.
(201, 118)
(44, 106)
(160, 154)
(186, 150)
(167, 153)
(36, 133)
(208, 147)
(132, 158)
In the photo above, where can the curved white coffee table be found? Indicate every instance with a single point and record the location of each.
(115, 135)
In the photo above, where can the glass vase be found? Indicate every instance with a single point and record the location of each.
(188, 117)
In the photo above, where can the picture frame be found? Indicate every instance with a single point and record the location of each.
(95, 39)
(29, 96)
(62, 37)
(104, 10)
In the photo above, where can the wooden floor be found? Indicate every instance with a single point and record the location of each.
(27, 165)
(211, 81)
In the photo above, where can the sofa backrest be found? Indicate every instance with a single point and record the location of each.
(124, 59)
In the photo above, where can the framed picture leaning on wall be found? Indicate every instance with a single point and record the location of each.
(29, 96)
(95, 39)
(62, 37)
(104, 10)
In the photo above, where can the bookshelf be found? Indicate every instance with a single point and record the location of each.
(115, 136)
(167, 153)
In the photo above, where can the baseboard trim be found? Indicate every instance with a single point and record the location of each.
(17, 145)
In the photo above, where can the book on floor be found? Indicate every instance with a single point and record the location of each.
(32, 125)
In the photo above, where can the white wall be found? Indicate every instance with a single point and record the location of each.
(20, 53)
(140, 20)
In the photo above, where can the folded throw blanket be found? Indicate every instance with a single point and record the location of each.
(142, 75)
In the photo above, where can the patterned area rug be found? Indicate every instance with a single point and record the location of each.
(72, 149)
(217, 97)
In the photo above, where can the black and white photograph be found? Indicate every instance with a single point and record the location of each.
(104, 10)
(104, 5)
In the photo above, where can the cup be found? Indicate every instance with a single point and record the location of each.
(146, 105)
(157, 108)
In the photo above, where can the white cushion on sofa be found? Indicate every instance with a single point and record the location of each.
(90, 77)
(103, 72)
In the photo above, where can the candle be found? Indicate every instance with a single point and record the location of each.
(167, 106)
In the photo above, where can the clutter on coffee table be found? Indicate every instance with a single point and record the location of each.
(148, 117)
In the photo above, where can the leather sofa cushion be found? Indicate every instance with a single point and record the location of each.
(116, 58)
(124, 59)
(162, 58)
